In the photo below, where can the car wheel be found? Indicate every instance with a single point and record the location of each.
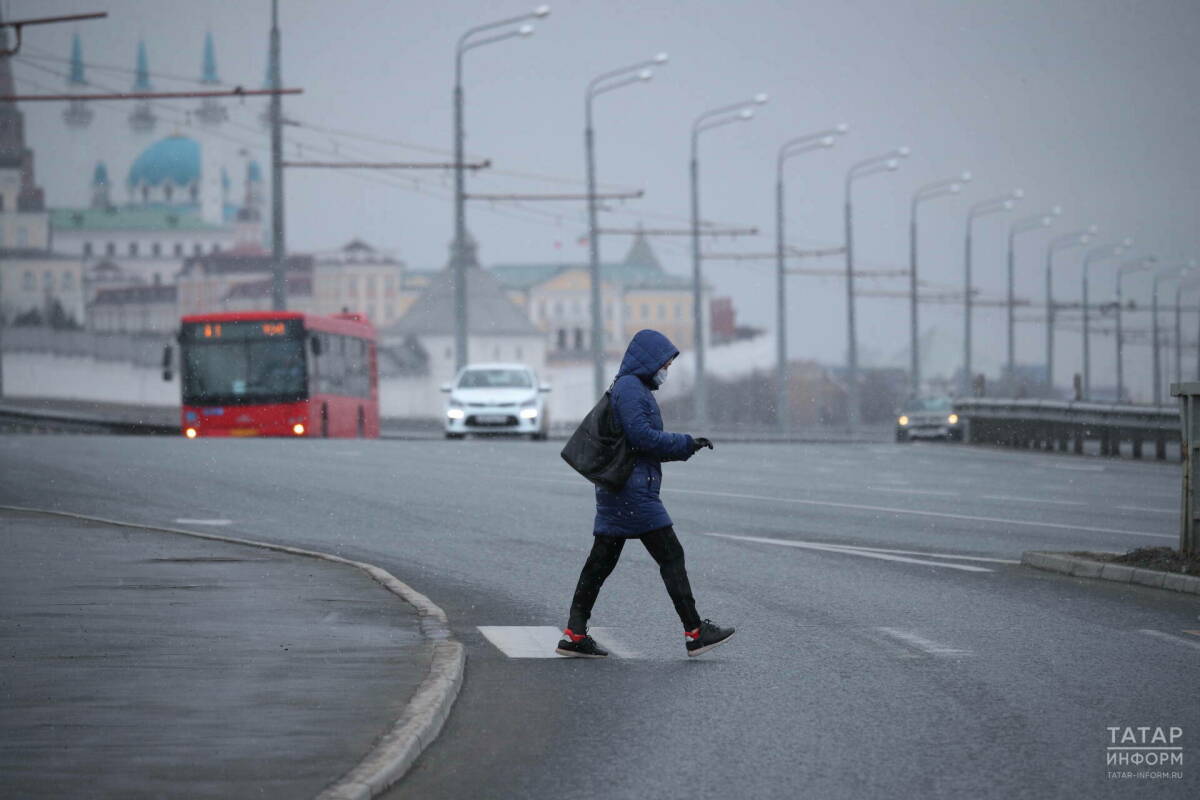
(453, 435)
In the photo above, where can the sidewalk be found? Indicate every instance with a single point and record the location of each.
(143, 664)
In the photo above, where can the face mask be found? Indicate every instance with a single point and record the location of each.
(660, 377)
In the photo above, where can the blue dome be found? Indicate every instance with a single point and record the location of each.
(175, 159)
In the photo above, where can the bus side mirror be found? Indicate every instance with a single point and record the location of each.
(314, 344)
(167, 373)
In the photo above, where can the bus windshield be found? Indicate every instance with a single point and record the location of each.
(246, 372)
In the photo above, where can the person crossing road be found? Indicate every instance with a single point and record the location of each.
(636, 511)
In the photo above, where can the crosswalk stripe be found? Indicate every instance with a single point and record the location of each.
(921, 643)
(539, 641)
(829, 548)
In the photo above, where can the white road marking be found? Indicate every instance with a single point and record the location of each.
(853, 551)
(927, 555)
(204, 522)
(539, 641)
(885, 509)
(1169, 638)
(1150, 510)
(921, 643)
(1078, 467)
(1011, 499)
(531, 641)
(913, 491)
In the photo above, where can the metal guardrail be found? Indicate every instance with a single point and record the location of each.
(26, 420)
(1067, 426)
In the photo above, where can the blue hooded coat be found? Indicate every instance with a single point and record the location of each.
(637, 509)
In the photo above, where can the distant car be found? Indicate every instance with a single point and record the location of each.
(496, 398)
(928, 418)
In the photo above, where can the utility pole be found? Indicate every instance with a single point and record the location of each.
(278, 255)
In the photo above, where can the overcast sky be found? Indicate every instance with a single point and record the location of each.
(1091, 104)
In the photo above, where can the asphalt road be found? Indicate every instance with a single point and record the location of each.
(856, 671)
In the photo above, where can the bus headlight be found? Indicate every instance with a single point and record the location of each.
(952, 419)
(190, 433)
(455, 413)
(298, 429)
(903, 420)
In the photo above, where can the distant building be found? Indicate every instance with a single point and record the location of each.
(38, 285)
(134, 309)
(360, 278)
(206, 283)
(635, 293)
(177, 206)
(498, 329)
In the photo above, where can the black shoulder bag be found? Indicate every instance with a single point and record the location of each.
(598, 450)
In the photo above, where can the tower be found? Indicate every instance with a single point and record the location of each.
(210, 112)
(100, 186)
(142, 119)
(77, 114)
(14, 155)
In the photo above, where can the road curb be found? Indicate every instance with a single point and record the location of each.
(1079, 567)
(422, 719)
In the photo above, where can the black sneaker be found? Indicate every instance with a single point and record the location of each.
(706, 637)
(573, 645)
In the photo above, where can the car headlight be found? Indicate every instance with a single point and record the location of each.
(952, 419)
(903, 420)
(529, 413)
(455, 413)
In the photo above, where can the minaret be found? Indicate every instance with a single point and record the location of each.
(142, 119)
(77, 114)
(211, 112)
(14, 155)
(100, 185)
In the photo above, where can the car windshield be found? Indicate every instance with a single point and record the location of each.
(244, 372)
(495, 379)
(929, 404)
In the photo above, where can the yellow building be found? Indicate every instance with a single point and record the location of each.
(635, 293)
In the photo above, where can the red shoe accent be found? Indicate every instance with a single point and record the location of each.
(574, 637)
(692, 634)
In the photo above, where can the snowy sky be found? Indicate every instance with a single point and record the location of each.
(1090, 104)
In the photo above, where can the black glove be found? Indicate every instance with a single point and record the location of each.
(700, 442)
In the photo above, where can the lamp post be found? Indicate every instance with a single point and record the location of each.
(1090, 258)
(1166, 273)
(1179, 289)
(888, 162)
(1025, 225)
(927, 192)
(995, 205)
(1127, 267)
(605, 82)
(792, 147)
(462, 253)
(1059, 243)
(715, 118)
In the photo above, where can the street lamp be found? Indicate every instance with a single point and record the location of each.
(605, 82)
(1063, 242)
(888, 162)
(1169, 272)
(1129, 266)
(1192, 282)
(793, 147)
(1089, 258)
(995, 205)
(926, 192)
(462, 253)
(1032, 223)
(735, 112)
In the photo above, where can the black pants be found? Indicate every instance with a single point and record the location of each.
(664, 548)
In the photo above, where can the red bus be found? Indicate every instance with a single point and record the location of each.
(277, 373)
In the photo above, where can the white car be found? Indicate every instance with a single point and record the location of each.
(496, 398)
